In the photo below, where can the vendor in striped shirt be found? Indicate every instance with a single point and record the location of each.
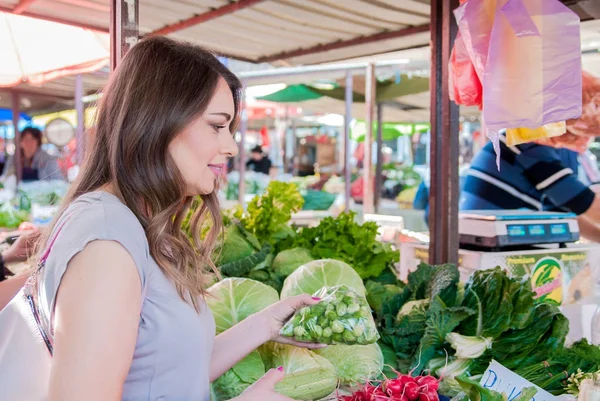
(539, 177)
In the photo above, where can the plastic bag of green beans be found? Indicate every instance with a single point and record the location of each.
(342, 317)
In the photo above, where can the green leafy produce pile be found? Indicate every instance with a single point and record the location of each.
(342, 317)
(436, 324)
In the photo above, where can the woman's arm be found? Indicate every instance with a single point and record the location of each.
(96, 322)
(234, 344)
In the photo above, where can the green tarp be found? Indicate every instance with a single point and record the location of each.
(386, 91)
(390, 131)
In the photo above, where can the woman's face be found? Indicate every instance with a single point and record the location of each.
(202, 149)
(29, 145)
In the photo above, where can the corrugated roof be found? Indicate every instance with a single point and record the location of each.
(263, 30)
(289, 32)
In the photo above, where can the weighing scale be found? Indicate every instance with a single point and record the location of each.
(525, 243)
(502, 229)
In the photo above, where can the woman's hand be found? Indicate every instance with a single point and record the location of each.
(277, 315)
(264, 388)
(22, 248)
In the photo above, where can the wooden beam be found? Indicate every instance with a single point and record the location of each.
(340, 44)
(22, 6)
(207, 16)
(443, 191)
(57, 20)
(17, 155)
(124, 29)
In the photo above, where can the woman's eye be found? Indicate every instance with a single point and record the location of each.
(218, 127)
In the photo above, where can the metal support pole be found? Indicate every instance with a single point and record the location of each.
(124, 29)
(347, 121)
(80, 110)
(17, 155)
(444, 191)
(242, 144)
(379, 165)
(370, 83)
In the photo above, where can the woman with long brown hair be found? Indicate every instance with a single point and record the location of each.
(122, 289)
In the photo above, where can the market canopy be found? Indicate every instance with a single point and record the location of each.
(294, 32)
(37, 51)
(387, 90)
(390, 131)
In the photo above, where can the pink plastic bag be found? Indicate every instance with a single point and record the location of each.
(525, 53)
(532, 77)
(465, 86)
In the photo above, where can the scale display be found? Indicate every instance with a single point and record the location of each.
(497, 229)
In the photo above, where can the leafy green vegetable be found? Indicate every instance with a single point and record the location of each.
(307, 376)
(11, 218)
(268, 215)
(390, 361)
(311, 277)
(468, 347)
(491, 293)
(343, 239)
(342, 317)
(241, 267)
(354, 364)
(234, 299)
(404, 316)
(378, 294)
(237, 379)
(237, 245)
(441, 320)
(287, 261)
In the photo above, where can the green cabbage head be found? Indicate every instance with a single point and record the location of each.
(237, 379)
(311, 277)
(234, 299)
(308, 376)
(354, 364)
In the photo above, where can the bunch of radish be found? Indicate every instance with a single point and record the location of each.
(402, 388)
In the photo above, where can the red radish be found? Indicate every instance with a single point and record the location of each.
(398, 398)
(428, 383)
(406, 379)
(393, 387)
(429, 395)
(411, 391)
(379, 395)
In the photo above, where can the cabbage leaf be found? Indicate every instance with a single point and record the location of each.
(311, 277)
(234, 299)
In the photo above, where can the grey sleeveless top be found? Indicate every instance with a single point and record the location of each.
(174, 344)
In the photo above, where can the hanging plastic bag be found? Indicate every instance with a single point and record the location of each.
(524, 52)
(517, 136)
(465, 86)
(529, 79)
(342, 317)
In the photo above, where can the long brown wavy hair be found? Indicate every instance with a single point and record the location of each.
(159, 88)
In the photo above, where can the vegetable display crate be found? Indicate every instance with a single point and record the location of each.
(568, 277)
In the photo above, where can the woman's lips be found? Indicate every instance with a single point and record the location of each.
(217, 169)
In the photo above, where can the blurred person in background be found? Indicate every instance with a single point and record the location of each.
(35, 163)
(544, 175)
(259, 162)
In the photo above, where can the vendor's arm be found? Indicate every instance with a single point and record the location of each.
(560, 186)
(234, 344)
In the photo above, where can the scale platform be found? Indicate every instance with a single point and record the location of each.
(497, 229)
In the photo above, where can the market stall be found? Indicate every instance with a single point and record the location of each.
(429, 332)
